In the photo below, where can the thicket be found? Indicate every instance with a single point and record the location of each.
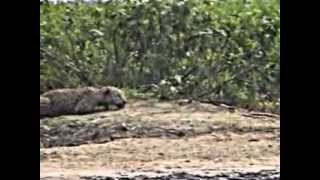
(226, 50)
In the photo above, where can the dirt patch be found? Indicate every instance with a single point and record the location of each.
(149, 120)
(162, 138)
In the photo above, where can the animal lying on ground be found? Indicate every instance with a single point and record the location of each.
(80, 101)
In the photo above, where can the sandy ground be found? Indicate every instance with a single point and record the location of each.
(215, 139)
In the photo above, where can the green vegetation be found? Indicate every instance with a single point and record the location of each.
(219, 49)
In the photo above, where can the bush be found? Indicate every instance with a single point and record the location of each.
(220, 49)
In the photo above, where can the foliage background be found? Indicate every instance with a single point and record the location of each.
(226, 50)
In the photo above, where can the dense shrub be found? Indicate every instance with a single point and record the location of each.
(220, 49)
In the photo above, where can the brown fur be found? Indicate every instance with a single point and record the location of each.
(80, 101)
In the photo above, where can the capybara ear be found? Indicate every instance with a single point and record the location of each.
(106, 90)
